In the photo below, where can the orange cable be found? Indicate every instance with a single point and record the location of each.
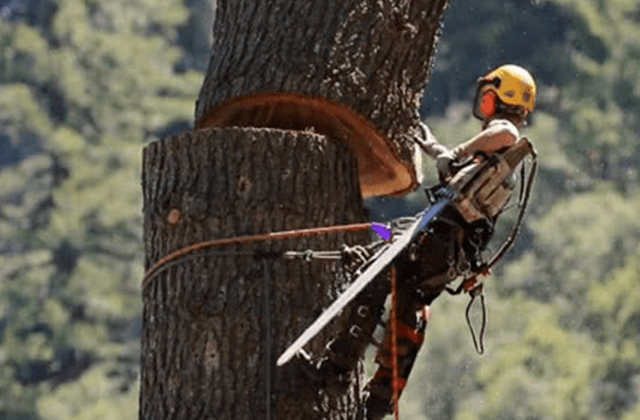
(155, 268)
(395, 382)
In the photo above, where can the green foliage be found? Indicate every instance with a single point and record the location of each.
(21, 113)
(613, 319)
(578, 240)
(84, 89)
(91, 397)
(541, 373)
(602, 118)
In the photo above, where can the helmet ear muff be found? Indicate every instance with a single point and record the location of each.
(488, 103)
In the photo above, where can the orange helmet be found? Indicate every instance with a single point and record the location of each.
(507, 86)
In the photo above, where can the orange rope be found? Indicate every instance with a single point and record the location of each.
(395, 382)
(154, 270)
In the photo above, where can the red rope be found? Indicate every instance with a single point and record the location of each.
(395, 382)
(155, 268)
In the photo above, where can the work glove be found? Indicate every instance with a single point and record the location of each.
(444, 164)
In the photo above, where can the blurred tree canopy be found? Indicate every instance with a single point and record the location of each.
(564, 308)
(84, 84)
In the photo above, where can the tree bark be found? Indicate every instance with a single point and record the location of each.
(215, 324)
(354, 70)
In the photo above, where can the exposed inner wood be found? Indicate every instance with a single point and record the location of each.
(380, 170)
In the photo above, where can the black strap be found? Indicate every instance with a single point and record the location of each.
(477, 342)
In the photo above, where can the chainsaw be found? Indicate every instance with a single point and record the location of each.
(477, 191)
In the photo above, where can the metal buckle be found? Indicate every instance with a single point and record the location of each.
(353, 331)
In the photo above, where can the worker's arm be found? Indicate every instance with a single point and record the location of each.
(498, 135)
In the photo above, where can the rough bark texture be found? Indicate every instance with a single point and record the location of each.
(214, 324)
(356, 70)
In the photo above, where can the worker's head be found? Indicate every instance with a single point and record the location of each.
(506, 92)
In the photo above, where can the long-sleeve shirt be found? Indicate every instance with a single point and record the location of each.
(498, 134)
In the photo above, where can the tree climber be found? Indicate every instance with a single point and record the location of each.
(504, 99)
(449, 248)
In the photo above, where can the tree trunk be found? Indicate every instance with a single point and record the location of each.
(354, 70)
(215, 324)
(339, 83)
